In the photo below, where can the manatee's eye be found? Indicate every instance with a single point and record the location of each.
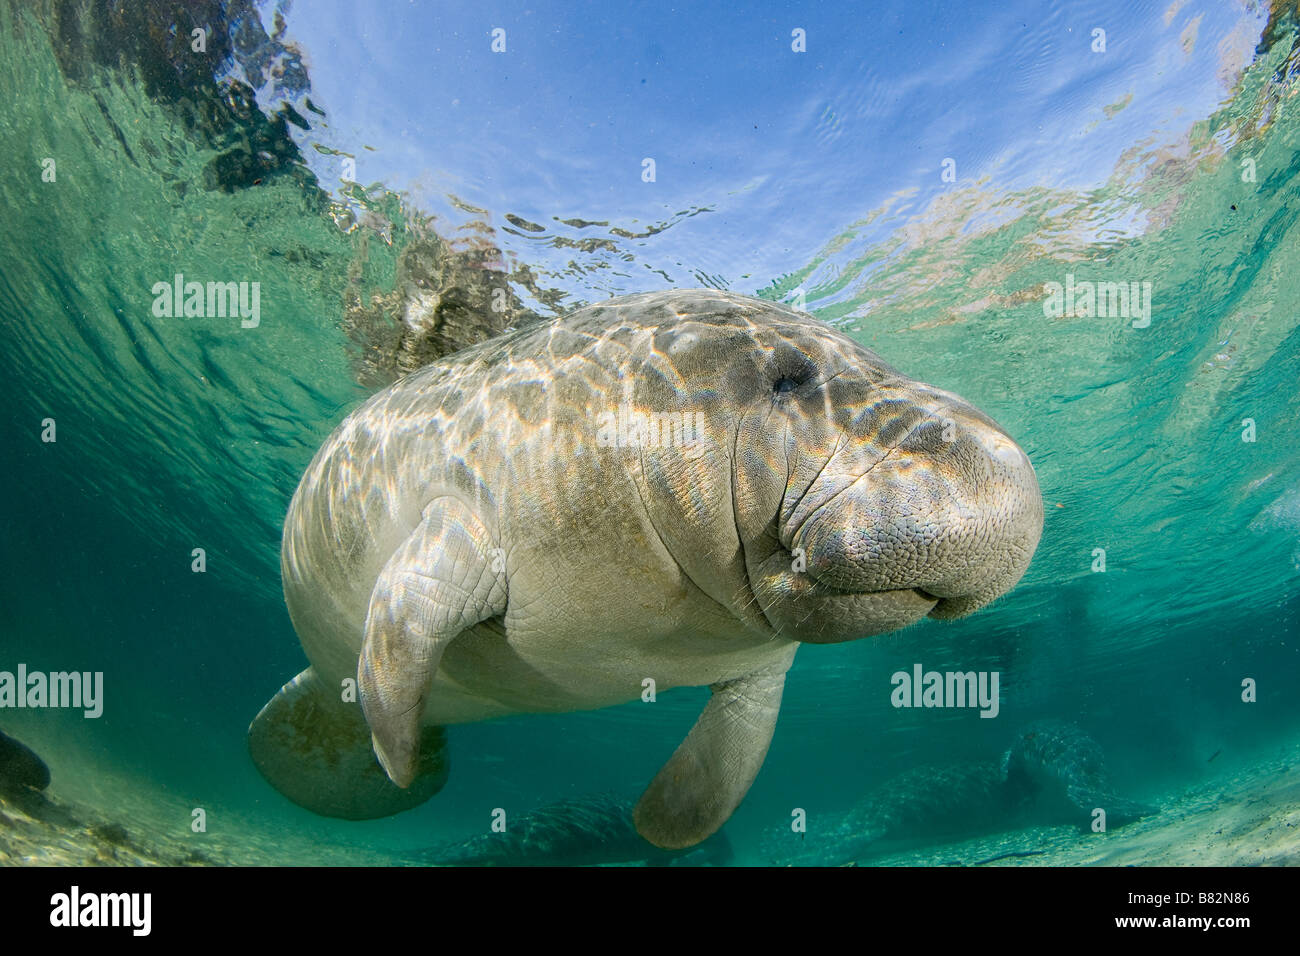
(784, 384)
(791, 371)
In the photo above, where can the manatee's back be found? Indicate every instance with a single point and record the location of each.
(360, 498)
(1054, 753)
(1056, 769)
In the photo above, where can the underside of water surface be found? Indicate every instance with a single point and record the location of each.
(1088, 235)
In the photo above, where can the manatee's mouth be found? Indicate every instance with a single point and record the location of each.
(942, 608)
(945, 608)
(925, 595)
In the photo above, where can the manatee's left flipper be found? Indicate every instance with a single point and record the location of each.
(711, 771)
(314, 748)
(442, 580)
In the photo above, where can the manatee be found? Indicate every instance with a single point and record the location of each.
(931, 801)
(681, 487)
(1052, 772)
(585, 831)
(1055, 769)
(20, 769)
(928, 802)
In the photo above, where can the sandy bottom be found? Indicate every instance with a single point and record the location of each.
(1248, 817)
(43, 830)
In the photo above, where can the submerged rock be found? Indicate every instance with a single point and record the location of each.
(443, 300)
(113, 834)
(20, 768)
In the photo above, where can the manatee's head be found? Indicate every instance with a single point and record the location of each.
(885, 499)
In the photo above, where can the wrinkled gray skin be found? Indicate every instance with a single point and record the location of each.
(583, 831)
(465, 547)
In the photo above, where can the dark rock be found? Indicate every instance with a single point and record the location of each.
(112, 833)
(443, 300)
(20, 768)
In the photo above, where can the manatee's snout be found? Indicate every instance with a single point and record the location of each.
(927, 507)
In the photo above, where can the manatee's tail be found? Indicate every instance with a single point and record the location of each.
(316, 750)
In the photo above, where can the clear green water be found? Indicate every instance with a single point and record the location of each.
(175, 434)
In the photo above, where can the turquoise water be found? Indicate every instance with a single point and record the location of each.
(1174, 164)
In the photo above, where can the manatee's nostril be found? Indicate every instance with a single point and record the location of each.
(1002, 448)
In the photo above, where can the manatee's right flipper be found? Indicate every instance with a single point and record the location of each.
(708, 775)
(315, 749)
(442, 580)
